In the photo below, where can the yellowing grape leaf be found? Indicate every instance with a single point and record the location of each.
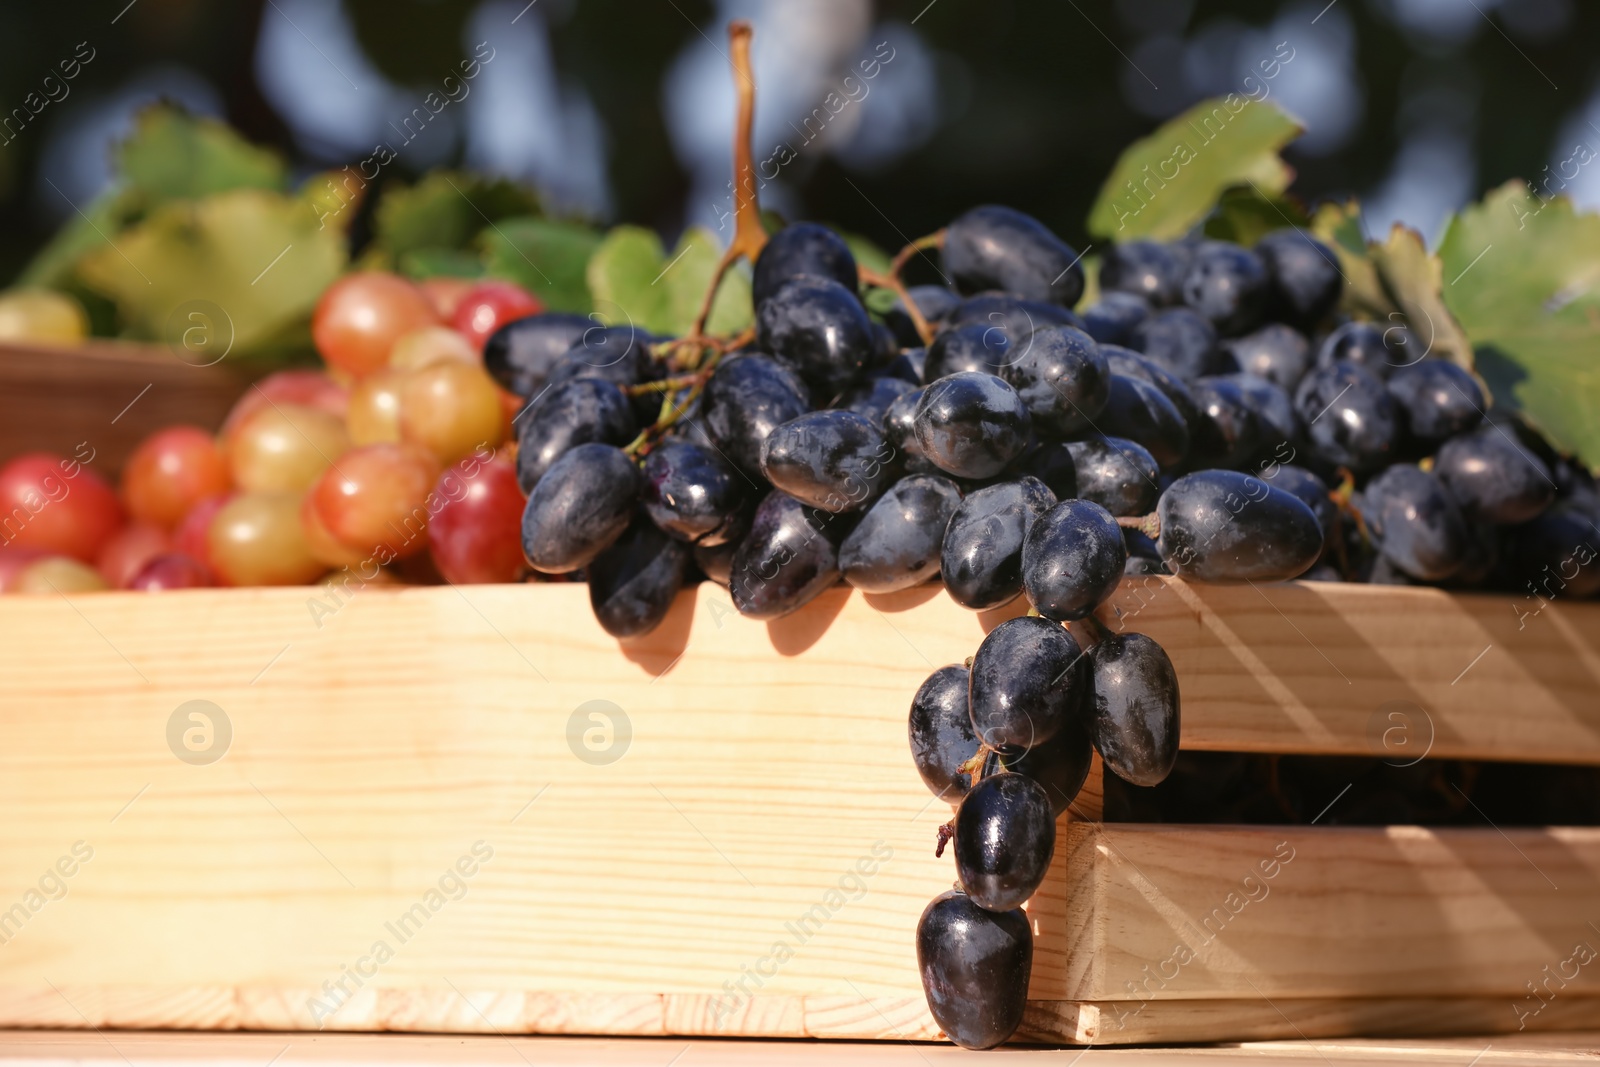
(446, 209)
(1166, 183)
(549, 259)
(1244, 216)
(635, 282)
(256, 261)
(1523, 276)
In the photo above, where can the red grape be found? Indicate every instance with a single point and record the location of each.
(173, 570)
(374, 415)
(13, 561)
(284, 447)
(375, 502)
(56, 504)
(445, 293)
(451, 408)
(310, 388)
(129, 549)
(361, 316)
(476, 534)
(57, 574)
(430, 345)
(192, 534)
(489, 305)
(171, 471)
(256, 540)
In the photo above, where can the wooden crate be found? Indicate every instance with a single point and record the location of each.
(408, 805)
(106, 394)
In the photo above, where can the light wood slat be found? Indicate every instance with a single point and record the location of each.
(1183, 913)
(372, 750)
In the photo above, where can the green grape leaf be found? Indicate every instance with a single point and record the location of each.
(549, 259)
(867, 254)
(634, 281)
(1166, 183)
(53, 265)
(436, 262)
(256, 261)
(1244, 216)
(173, 155)
(446, 209)
(1523, 276)
(1412, 278)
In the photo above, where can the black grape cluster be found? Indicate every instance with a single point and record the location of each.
(1208, 416)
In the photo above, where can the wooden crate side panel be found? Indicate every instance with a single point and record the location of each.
(1332, 667)
(105, 395)
(1216, 912)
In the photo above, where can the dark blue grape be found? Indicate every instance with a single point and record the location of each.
(941, 733)
(1417, 525)
(1119, 475)
(716, 561)
(1051, 463)
(1280, 354)
(1144, 557)
(1181, 340)
(1553, 557)
(1273, 408)
(1026, 682)
(520, 354)
(908, 366)
(1062, 377)
(570, 413)
(1306, 279)
(745, 400)
(992, 247)
(1072, 559)
(1440, 400)
(581, 505)
(871, 399)
(692, 493)
(1112, 319)
(896, 544)
(1148, 269)
(1229, 432)
(633, 582)
(819, 328)
(1141, 412)
(973, 347)
(971, 425)
(790, 556)
(1223, 526)
(802, 248)
(1227, 284)
(1493, 477)
(1017, 317)
(833, 460)
(1309, 489)
(1134, 722)
(1005, 836)
(934, 301)
(1350, 418)
(1061, 765)
(974, 966)
(617, 354)
(1131, 364)
(1370, 347)
(981, 557)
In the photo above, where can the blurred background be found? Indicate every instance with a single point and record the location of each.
(884, 118)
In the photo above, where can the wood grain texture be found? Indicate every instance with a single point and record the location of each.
(54, 397)
(407, 830)
(57, 1049)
